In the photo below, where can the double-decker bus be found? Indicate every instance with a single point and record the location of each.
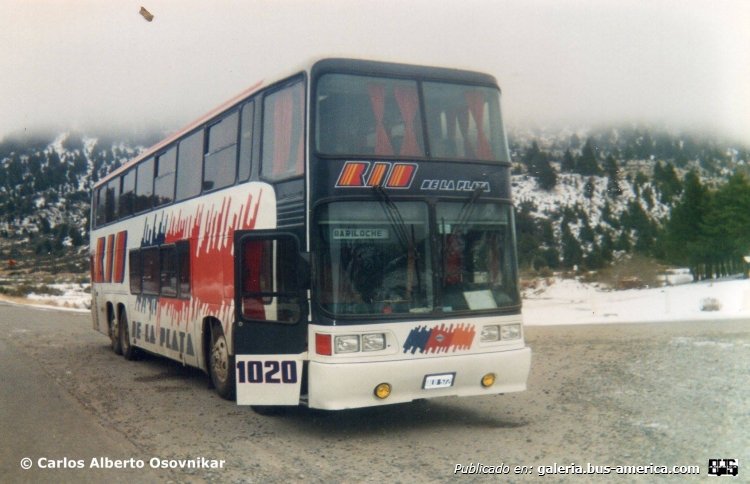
(341, 237)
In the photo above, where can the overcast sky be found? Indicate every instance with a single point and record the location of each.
(83, 64)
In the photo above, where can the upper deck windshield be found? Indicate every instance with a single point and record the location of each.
(376, 116)
(377, 258)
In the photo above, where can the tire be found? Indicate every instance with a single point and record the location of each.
(129, 351)
(221, 364)
(114, 333)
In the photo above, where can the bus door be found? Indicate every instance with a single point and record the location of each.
(270, 331)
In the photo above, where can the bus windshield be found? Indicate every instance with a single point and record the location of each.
(372, 116)
(378, 259)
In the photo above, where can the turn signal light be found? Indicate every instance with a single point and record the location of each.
(488, 380)
(383, 391)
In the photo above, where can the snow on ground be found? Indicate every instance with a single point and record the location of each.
(73, 296)
(568, 301)
(559, 301)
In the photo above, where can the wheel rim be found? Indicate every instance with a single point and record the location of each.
(220, 359)
(125, 336)
(114, 332)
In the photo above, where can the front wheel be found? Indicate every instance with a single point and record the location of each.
(221, 364)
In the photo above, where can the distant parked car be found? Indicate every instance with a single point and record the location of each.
(674, 277)
(710, 304)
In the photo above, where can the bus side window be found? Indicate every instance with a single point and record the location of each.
(189, 166)
(136, 272)
(144, 193)
(246, 140)
(283, 133)
(168, 271)
(127, 197)
(113, 197)
(150, 258)
(165, 175)
(100, 211)
(183, 269)
(220, 161)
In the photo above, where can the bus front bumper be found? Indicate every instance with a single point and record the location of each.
(336, 386)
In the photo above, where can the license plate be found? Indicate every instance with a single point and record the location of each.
(443, 380)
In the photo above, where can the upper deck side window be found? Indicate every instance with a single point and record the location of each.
(247, 123)
(190, 166)
(144, 193)
(218, 154)
(127, 197)
(221, 153)
(166, 165)
(283, 148)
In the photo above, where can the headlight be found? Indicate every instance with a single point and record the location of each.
(346, 344)
(510, 331)
(373, 342)
(490, 333)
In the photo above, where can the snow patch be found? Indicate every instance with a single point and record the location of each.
(568, 301)
(73, 296)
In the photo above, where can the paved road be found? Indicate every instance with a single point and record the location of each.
(42, 422)
(662, 394)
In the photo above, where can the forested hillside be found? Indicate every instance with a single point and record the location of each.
(45, 184)
(584, 198)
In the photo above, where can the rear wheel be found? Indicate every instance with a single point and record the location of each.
(114, 333)
(221, 364)
(128, 350)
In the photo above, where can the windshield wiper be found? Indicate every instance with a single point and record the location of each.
(406, 239)
(467, 209)
(394, 217)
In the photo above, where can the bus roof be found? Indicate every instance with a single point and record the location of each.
(317, 68)
(392, 69)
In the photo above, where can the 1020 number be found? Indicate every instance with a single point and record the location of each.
(267, 371)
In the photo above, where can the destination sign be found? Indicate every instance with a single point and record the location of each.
(356, 233)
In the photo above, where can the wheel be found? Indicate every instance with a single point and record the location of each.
(114, 333)
(221, 364)
(127, 349)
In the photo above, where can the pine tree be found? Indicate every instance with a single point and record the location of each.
(648, 197)
(589, 189)
(607, 246)
(727, 226)
(531, 158)
(668, 183)
(569, 162)
(538, 165)
(547, 176)
(572, 254)
(684, 235)
(594, 259)
(612, 170)
(588, 163)
(606, 215)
